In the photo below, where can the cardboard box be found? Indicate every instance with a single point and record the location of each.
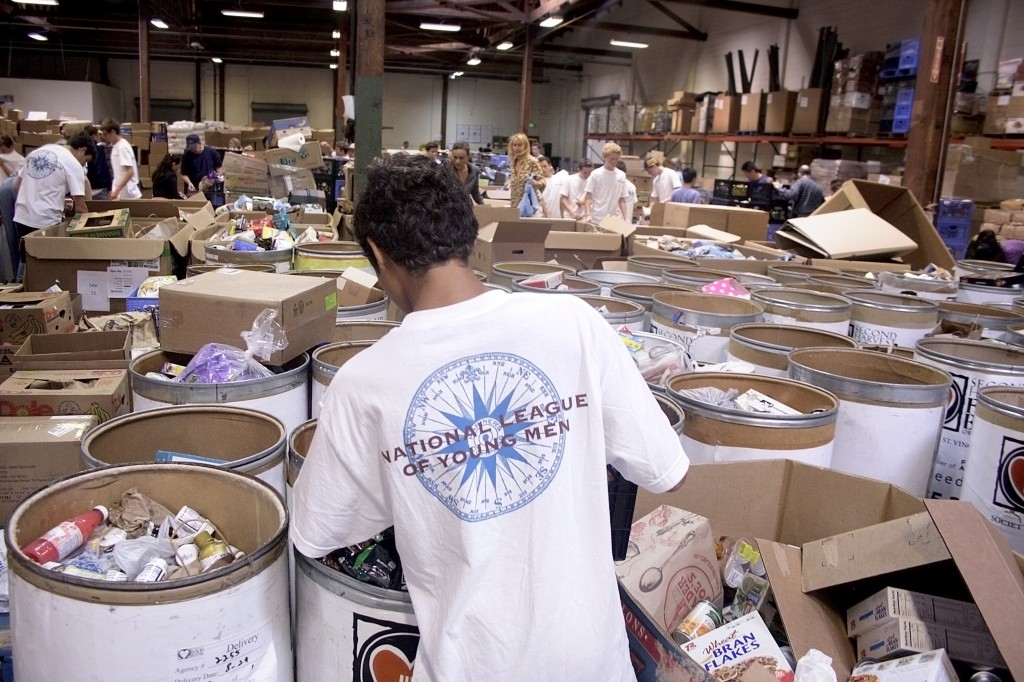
(933, 666)
(898, 207)
(103, 393)
(492, 214)
(105, 271)
(80, 350)
(25, 313)
(677, 548)
(216, 307)
(779, 503)
(581, 245)
(855, 233)
(976, 171)
(907, 636)
(746, 223)
(808, 108)
(115, 223)
(752, 112)
(779, 108)
(307, 156)
(7, 353)
(890, 604)
(35, 451)
(509, 240)
(725, 117)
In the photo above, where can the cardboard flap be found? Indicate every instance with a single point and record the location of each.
(996, 584)
(137, 208)
(514, 232)
(810, 623)
(180, 239)
(875, 550)
(856, 232)
(705, 232)
(616, 225)
(583, 241)
(492, 214)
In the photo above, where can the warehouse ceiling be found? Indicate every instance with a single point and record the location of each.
(299, 32)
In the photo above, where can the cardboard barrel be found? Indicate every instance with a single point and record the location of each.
(193, 270)
(992, 322)
(767, 346)
(840, 282)
(795, 273)
(994, 476)
(327, 360)
(701, 322)
(800, 308)
(609, 278)
(655, 265)
(712, 433)
(695, 276)
(331, 256)
(284, 394)
(504, 272)
(577, 286)
(71, 628)
(221, 253)
(246, 440)
(980, 293)
(892, 411)
(931, 289)
(361, 330)
(973, 365)
(643, 295)
(619, 314)
(884, 319)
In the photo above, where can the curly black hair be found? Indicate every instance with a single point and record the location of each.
(416, 211)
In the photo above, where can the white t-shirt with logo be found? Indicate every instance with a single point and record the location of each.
(488, 453)
(663, 185)
(605, 188)
(121, 155)
(50, 173)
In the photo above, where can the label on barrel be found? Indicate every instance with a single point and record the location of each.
(235, 658)
(880, 335)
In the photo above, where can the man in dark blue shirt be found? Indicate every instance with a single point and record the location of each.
(197, 162)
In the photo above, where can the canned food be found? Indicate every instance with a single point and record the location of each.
(985, 676)
(702, 619)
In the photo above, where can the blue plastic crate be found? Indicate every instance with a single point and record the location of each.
(901, 125)
(904, 110)
(959, 252)
(909, 52)
(905, 96)
(954, 233)
(956, 208)
(137, 303)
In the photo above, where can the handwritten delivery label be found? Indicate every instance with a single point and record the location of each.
(248, 657)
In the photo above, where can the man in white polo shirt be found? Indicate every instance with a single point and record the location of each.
(664, 182)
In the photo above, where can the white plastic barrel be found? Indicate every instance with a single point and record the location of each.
(885, 319)
(767, 346)
(994, 475)
(890, 413)
(230, 624)
(619, 314)
(246, 440)
(712, 433)
(285, 395)
(326, 362)
(350, 631)
(972, 365)
(609, 278)
(800, 308)
(701, 322)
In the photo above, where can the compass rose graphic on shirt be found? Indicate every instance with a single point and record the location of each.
(497, 448)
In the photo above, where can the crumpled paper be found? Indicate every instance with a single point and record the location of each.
(134, 509)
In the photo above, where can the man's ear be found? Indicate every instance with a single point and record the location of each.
(378, 256)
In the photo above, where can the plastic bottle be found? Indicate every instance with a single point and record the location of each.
(212, 553)
(65, 538)
(154, 571)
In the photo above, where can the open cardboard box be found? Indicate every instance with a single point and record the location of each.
(747, 223)
(856, 232)
(579, 244)
(763, 256)
(898, 207)
(508, 240)
(79, 350)
(784, 505)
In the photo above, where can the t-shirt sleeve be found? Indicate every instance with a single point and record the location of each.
(340, 497)
(640, 443)
(674, 180)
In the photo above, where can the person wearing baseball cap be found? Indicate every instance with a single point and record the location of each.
(197, 162)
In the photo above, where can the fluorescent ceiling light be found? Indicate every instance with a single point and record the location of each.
(159, 23)
(336, 34)
(626, 43)
(430, 26)
(38, 36)
(51, 3)
(216, 60)
(334, 66)
(244, 14)
(457, 74)
(473, 61)
(504, 46)
(335, 53)
(551, 22)
(340, 5)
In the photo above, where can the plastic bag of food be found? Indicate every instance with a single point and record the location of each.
(217, 363)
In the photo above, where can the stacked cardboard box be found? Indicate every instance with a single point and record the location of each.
(683, 106)
(854, 106)
(1007, 221)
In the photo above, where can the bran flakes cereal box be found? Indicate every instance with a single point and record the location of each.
(728, 651)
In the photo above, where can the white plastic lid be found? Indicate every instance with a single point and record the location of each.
(102, 510)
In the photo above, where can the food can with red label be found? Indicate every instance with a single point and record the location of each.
(702, 619)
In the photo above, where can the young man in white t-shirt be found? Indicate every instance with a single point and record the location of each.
(551, 197)
(605, 193)
(487, 451)
(665, 182)
(572, 191)
(51, 173)
(122, 163)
